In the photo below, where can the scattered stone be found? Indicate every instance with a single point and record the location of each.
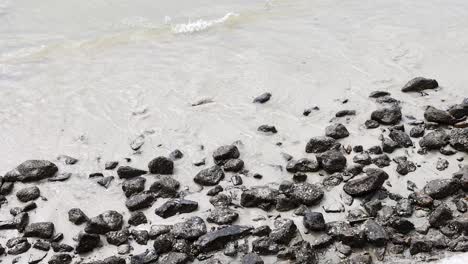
(401, 138)
(224, 153)
(175, 258)
(60, 259)
(371, 124)
(221, 199)
(32, 170)
(137, 218)
(28, 194)
(332, 180)
(305, 193)
(161, 165)
(434, 140)
(140, 201)
(215, 190)
(176, 155)
(127, 172)
(40, 230)
(265, 246)
(459, 139)
(345, 113)
(147, 257)
(191, 229)
(303, 165)
(87, 242)
(361, 258)
(117, 238)
(362, 158)
(133, 186)
(252, 258)
(417, 131)
(332, 161)
(110, 165)
(313, 221)
(366, 184)
(404, 165)
(218, 238)
(442, 164)
(42, 245)
(419, 84)
(234, 165)
(441, 188)
(67, 159)
(440, 216)
(105, 222)
(387, 116)
(433, 114)
(267, 129)
(17, 245)
(263, 98)
(76, 216)
(419, 245)
(106, 181)
(222, 216)
(176, 206)
(261, 231)
(284, 231)
(262, 197)
(377, 94)
(164, 186)
(210, 176)
(375, 233)
(319, 144)
(336, 131)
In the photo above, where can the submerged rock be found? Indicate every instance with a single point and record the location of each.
(419, 84)
(32, 170)
(176, 206)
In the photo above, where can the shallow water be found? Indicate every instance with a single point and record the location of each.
(85, 78)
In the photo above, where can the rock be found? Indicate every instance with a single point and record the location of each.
(164, 186)
(442, 164)
(18, 245)
(127, 172)
(375, 233)
(163, 243)
(366, 184)
(363, 158)
(387, 115)
(419, 84)
(236, 180)
(302, 165)
(459, 111)
(336, 131)
(140, 201)
(373, 207)
(105, 222)
(263, 98)
(252, 258)
(42, 245)
(157, 230)
(459, 139)
(222, 216)
(176, 155)
(147, 257)
(314, 221)
(210, 176)
(174, 258)
(401, 138)
(176, 206)
(218, 238)
(265, 246)
(224, 153)
(371, 124)
(388, 145)
(87, 242)
(345, 113)
(117, 238)
(462, 176)
(32, 170)
(377, 94)
(261, 231)
(76, 216)
(309, 110)
(60, 259)
(19, 222)
(332, 180)
(234, 165)
(267, 129)
(440, 216)
(67, 159)
(28, 194)
(6, 187)
(215, 190)
(106, 181)
(421, 199)
(262, 197)
(417, 131)
(404, 165)
(305, 254)
(133, 186)
(401, 225)
(96, 175)
(419, 245)
(231, 249)
(344, 232)
(110, 165)
(441, 188)
(190, 229)
(332, 161)
(284, 231)
(433, 114)
(140, 236)
(319, 144)
(404, 207)
(137, 218)
(361, 258)
(40, 230)
(306, 193)
(434, 140)
(161, 165)
(333, 207)
(221, 199)
(285, 203)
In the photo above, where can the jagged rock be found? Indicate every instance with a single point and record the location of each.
(224, 153)
(366, 184)
(419, 84)
(190, 229)
(222, 216)
(147, 257)
(440, 216)
(362, 158)
(157, 230)
(137, 218)
(314, 221)
(262, 197)
(221, 199)
(110, 165)
(404, 207)
(234, 165)
(401, 225)
(319, 144)
(377, 94)
(344, 232)
(32, 170)
(267, 129)
(161, 165)
(165, 186)
(417, 131)
(40, 230)
(67, 159)
(105, 222)
(133, 186)
(140, 236)
(336, 131)
(404, 165)
(231, 249)
(421, 199)
(163, 243)
(252, 258)
(174, 258)
(117, 238)
(388, 145)
(419, 245)
(28, 194)
(375, 233)
(127, 172)
(433, 114)
(140, 201)
(302, 165)
(215, 190)
(441, 188)
(218, 238)
(261, 231)
(459, 139)
(87, 242)
(17, 245)
(332, 161)
(285, 203)
(387, 115)
(401, 138)
(305, 193)
(284, 231)
(76, 216)
(265, 246)
(19, 222)
(210, 176)
(333, 180)
(176, 206)
(462, 176)
(6, 187)
(263, 98)
(105, 181)
(434, 140)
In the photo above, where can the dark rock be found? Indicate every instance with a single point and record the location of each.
(284, 231)
(32, 170)
(252, 258)
(459, 110)
(375, 233)
(133, 186)
(401, 225)
(218, 238)
(221, 199)
(344, 232)
(459, 139)
(419, 84)
(387, 115)
(440, 216)
(333, 180)
(345, 113)
(190, 229)
(58, 247)
(267, 129)
(336, 131)
(117, 238)
(442, 164)
(234, 165)
(262, 197)
(263, 98)
(366, 184)
(373, 207)
(147, 257)
(265, 246)
(137, 218)
(222, 216)
(40, 230)
(306, 193)
(448, 151)
(161, 165)
(42, 245)
(433, 114)
(419, 245)
(210, 176)
(28, 194)
(361, 258)
(319, 144)
(376, 150)
(19, 222)
(441, 188)
(157, 230)
(401, 138)
(165, 186)
(176, 206)
(462, 176)
(421, 199)
(285, 203)
(224, 153)
(140, 236)
(387, 100)
(236, 180)
(60, 259)
(176, 154)
(140, 201)
(377, 94)
(6, 188)
(110, 165)
(307, 111)
(63, 176)
(96, 175)
(67, 159)
(76, 216)
(363, 159)
(358, 148)
(106, 181)
(404, 165)
(231, 249)
(332, 161)
(417, 131)
(434, 140)
(215, 190)
(87, 242)
(302, 165)
(404, 207)
(261, 231)
(314, 221)
(127, 172)
(163, 243)
(18, 245)
(388, 145)
(371, 124)
(174, 258)
(105, 222)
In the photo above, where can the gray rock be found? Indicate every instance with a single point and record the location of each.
(190, 229)
(87, 242)
(362, 158)
(18, 245)
(419, 245)
(165, 186)
(67, 159)
(388, 145)
(147, 257)
(252, 258)
(210, 176)
(127, 172)
(174, 258)
(140, 201)
(302, 165)
(371, 124)
(377, 94)
(360, 258)
(434, 139)
(404, 165)
(441, 188)
(375, 233)
(105, 222)
(267, 129)
(387, 115)
(401, 138)
(60, 259)
(218, 238)
(265, 246)
(163, 243)
(261, 231)
(462, 176)
(222, 216)
(284, 231)
(176, 154)
(40, 230)
(117, 238)
(133, 186)
(32, 170)
(314, 221)
(419, 84)
(366, 184)
(417, 131)
(221, 199)
(442, 164)
(459, 139)
(262, 197)
(343, 113)
(224, 153)
(433, 114)
(137, 218)
(157, 230)
(161, 165)
(176, 206)
(332, 161)
(306, 193)
(28, 194)
(234, 165)
(263, 98)
(236, 180)
(110, 165)
(105, 181)
(76, 216)
(336, 131)
(319, 144)
(440, 216)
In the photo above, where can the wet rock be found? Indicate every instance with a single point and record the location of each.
(332, 180)
(133, 186)
(161, 165)
(313, 221)
(234, 165)
(459, 139)
(190, 229)
(60, 259)
(401, 225)
(434, 140)
(332, 161)
(96, 175)
(377, 94)
(215, 190)
(284, 231)
(163, 243)
(307, 111)
(387, 115)
(147, 257)
(419, 245)
(319, 144)
(267, 129)
(6, 187)
(176, 206)
(417, 131)
(28, 194)
(164, 186)
(252, 258)
(224, 153)
(140, 201)
(19, 222)
(404, 207)
(367, 184)
(67, 159)
(262, 197)
(421, 199)
(40, 230)
(441, 188)
(218, 238)
(210, 176)
(376, 150)
(127, 172)
(221, 199)
(137, 218)
(105, 222)
(333, 207)
(401, 138)
(265, 246)
(302, 165)
(305, 193)
(404, 165)
(140, 236)
(117, 238)
(76, 216)
(363, 159)
(263, 98)
(32, 170)
(442, 164)
(87, 242)
(336, 131)
(231, 249)
(261, 231)
(236, 180)
(18, 245)
(345, 113)
(371, 124)
(440, 216)
(419, 84)
(106, 181)
(285, 203)
(375, 233)
(222, 216)
(157, 230)
(176, 155)
(344, 232)
(110, 165)
(433, 114)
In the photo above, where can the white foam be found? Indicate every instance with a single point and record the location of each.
(200, 24)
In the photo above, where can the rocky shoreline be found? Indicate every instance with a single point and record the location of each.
(380, 229)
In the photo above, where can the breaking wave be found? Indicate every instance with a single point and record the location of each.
(200, 24)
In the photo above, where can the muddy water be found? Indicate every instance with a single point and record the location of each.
(86, 78)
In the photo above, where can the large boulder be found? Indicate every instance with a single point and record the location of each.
(367, 184)
(32, 170)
